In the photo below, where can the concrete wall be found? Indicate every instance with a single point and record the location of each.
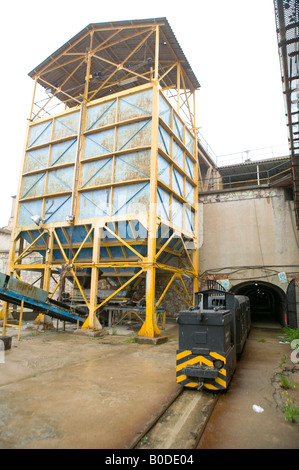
(249, 234)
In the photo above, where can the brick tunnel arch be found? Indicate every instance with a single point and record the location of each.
(267, 301)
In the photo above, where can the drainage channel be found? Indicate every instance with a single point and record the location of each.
(182, 423)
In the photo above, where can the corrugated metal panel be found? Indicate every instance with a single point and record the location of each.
(74, 85)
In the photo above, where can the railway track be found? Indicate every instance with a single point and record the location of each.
(181, 425)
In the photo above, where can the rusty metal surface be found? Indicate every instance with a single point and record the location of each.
(99, 143)
(37, 159)
(135, 165)
(131, 199)
(63, 152)
(2, 280)
(40, 133)
(135, 105)
(66, 125)
(27, 290)
(97, 172)
(137, 134)
(33, 185)
(101, 115)
(60, 180)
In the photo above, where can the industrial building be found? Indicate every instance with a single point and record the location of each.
(109, 184)
(122, 215)
(119, 198)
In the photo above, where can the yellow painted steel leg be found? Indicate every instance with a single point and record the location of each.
(41, 318)
(20, 320)
(92, 323)
(5, 315)
(149, 327)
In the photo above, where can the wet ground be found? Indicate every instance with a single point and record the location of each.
(257, 381)
(59, 390)
(64, 391)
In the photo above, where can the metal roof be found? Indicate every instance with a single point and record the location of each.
(117, 48)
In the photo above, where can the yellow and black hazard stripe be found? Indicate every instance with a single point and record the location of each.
(186, 358)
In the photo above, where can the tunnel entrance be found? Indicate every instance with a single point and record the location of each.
(267, 302)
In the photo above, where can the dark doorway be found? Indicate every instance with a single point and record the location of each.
(267, 301)
(291, 305)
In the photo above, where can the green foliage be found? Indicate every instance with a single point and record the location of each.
(290, 334)
(290, 411)
(131, 339)
(285, 381)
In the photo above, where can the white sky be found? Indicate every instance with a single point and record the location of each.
(231, 46)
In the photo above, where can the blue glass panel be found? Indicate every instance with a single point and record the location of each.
(164, 111)
(178, 154)
(135, 105)
(177, 182)
(131, 199)
(189, 219)
(137, 134)
(177, 213)
(189, 167)
(99, 143)
(66, 125)
(131, 166)
(57, 208)
(178, 127)
(63, 152)
(40, 133)
(33, 185)
(60, 180)
(101, 115)
(189, 193)
(97, 172)
(28, 209)
(37, 159)
(94, 204)
(163, 200)
(164, 140)
(163, 170)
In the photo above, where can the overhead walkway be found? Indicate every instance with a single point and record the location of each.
(15, 292)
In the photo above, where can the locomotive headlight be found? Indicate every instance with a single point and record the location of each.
(218, 364)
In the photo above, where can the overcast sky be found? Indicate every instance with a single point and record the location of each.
(231, 46)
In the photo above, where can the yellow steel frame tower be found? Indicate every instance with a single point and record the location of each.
(113, 144)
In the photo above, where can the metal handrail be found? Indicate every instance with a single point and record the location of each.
(259, 179)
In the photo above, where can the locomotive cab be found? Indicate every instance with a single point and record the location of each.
(210, 336)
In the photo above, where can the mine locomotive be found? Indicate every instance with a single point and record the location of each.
(211, 337)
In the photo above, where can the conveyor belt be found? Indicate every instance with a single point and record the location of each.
(14, 291)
